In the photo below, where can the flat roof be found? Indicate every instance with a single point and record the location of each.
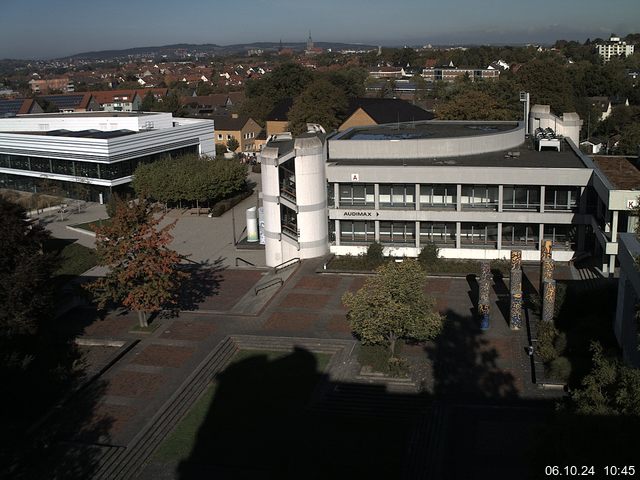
(528, 158)
(422, 130)
(99, 134)
(620, 171)
(88, 114)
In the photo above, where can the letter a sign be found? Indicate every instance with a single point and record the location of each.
(355, 177)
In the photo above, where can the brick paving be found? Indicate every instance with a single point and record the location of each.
(188, 330)
(231, 286)
(133, 384)
(290, 321)
(303, 300)
(164, 356)
(308, 305)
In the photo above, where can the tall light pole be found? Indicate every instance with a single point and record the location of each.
(524, 98)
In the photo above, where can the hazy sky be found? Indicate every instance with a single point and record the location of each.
(53, 28)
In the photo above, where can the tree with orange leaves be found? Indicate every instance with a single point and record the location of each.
(143, 273)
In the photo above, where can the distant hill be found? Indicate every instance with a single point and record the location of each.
(210, 48)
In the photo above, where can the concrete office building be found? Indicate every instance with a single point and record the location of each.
(89, 155)
(475, 189)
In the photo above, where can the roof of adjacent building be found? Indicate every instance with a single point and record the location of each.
(229, 122)
(111, 96)
(411, 131)
(621, 171)
(388, 110)
(16, 106)
(525, 157)
(69, 100)
(98, 134)
(93, 114)
(381, 110)
(280, 112)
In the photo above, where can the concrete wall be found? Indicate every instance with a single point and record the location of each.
(626, 324)
(568, 125)
(457, 174)
(114, 149)
(85, 121)
(428, 147)
(270, 203)
(311, 197)
(276, 127)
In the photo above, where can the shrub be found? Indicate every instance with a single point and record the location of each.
(429, 255)
(547, 334)
(111, 205)
(397, 367)
(560, 343)
(375, 255)
(217, 210)
(559, 369)
(375, 356)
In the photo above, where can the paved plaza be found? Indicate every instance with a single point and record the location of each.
(464, 366)
(141, 384)
(200, 238)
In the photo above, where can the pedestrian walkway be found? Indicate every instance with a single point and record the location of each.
(151, 387)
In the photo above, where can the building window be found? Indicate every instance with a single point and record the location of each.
(357, 195)
(520, 235)
(228, 137)
(438, 196)
(438, 233)
(220, 136)
(40, 164)
(521, 198)
(478, 234)
(360, 232)
(397, 196)
(392, 233)
(19, 163)
(86, 169)
(289, 222)
(480, 196)
(287, 174)
(561, 198)
(562, 236)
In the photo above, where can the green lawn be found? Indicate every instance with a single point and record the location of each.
(75, 259)
(255, 392)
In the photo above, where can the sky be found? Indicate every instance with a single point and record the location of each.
(55, 28)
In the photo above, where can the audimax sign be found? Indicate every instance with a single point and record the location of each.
(360, 214)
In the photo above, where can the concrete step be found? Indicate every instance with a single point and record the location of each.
(129, 461)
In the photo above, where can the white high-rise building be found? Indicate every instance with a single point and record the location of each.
(614, 48)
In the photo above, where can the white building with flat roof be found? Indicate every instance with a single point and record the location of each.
(96, 150)
(614, 48)
(477, 190)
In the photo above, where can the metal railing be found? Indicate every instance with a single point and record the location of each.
(270, 283)
(286, 264)
(243, 261)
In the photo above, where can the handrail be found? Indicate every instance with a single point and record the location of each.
(245, 261)
(286, 264)
(268, 284)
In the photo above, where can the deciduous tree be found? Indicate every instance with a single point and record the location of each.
(233, 144)
(143, 273)
(25, 275)
(393, 305)
(321, 102)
